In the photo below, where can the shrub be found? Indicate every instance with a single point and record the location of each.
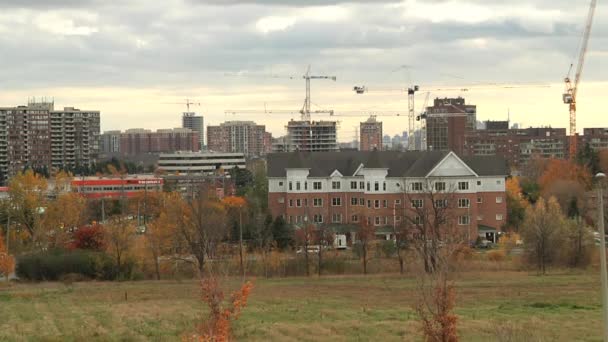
(89, 237)
(54, 265)
(388, 248)
(496, 255)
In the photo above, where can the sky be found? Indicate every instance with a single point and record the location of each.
(137, 60)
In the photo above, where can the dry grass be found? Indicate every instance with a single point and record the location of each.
(492, 306)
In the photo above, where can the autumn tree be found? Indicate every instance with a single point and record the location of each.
(563, 170)
(119, 239)
(160, 231)
(64, 214)
(27, 193)
(578, 243)
(236, 205)
(516, 204)
(7, 261)
(543, 233)
(91, 237)
(202, 224)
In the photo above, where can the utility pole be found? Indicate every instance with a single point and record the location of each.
(604, 281)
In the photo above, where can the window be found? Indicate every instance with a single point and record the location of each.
(354, 201)
(498, 182)
(367, 186)
(499, 199)
(376, 186)
(361, 201)
(298, 203)
(417, 203)
(291, 203)
(441, 203)
(498, 217)
(354, 218)
(317, 218)
(397, 202)
(479, 200)
(417, 220)
(361, 185)
(376, 204)
(463, 220)
(281, 199)
(383, 186)
(317, 202)
(478, 183)
(479, 217)
(290, 186)
(369, 203)
(335, 185)
(336, 201)
(305, 185)
(463, 185)
(385, 220)
(417, 186)
(280, 183)
(336, 218)
(385, 203)
(464, 203)
(398, 218)
(353, 185)
(316, 185)
(377, 221)
(440, 186)
(297, 186)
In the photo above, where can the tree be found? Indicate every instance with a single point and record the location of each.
(160, 232)
(516, 204)
(27, 193)
(304, 237)
(243, 179)
(202, 224)
(365, 235)
(66, 213)
(589, 158)
(89, 237)
(565, 170)
(282, 233)
(237, 204)
(579, 243)
(324, 238)
(543, 233)
(119, 238)
(7, 261)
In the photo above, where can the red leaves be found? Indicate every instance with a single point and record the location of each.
(438, 318)
(89, 237)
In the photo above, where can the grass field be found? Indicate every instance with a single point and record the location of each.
(491, 306)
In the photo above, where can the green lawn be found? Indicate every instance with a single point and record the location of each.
(491, 306)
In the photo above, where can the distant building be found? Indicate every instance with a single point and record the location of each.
(40, 137)
(312, 136)
(280, 144)
(370, 135)
(138, 141)
(200, 162)
(116, 187)
(239, 136)
(447, 123)
(597, 138)
(197, 124)
(518, 145)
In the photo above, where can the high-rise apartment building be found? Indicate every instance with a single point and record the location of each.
(448, 121)
(312, 136)
(138, 141)
(239, 137)
(370, 135)
(38, 136)
(196, 123)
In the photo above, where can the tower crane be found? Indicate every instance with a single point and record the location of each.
(570, 95)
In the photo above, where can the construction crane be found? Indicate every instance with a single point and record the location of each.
(305, 112)
(569, 97)
(187, 103)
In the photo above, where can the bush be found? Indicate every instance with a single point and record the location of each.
(54, 265)
(388, 248)
(496, 255)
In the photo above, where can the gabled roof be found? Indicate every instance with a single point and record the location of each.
(399, 164)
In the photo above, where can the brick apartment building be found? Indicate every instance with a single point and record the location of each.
(517, 145)
(239, 137)
(341, 189)
(140, 141)
(448, 121)
(370, 135)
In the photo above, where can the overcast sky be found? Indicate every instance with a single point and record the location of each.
(132, 59)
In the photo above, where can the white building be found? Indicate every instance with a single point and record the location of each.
(200, 162)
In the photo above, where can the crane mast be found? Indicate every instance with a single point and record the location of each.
(570, 94)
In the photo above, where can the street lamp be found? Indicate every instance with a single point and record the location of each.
(600, 200)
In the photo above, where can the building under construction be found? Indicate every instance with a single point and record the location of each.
(312, 136)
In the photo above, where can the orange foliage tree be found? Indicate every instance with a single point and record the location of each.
(27, 192)
(7, 261)
(217, 328)
(160, 231)
(563, 170)
(236, 203)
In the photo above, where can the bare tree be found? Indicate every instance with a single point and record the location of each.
(202, 224)
(324, 238)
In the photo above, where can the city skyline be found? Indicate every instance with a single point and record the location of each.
(131, 60)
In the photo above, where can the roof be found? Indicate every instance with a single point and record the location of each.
(399, 164)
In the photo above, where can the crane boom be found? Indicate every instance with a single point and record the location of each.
(570, 95)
